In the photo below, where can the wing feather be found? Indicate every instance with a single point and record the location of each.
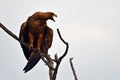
(33, 60)
(24, 36)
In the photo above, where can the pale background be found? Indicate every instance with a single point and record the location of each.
(92, 28)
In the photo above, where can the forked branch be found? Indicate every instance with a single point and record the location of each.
(58, 61)
(53, 70)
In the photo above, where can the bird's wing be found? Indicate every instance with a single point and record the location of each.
(35, 56)
(33, 60)
(24, 37)
(48, 38)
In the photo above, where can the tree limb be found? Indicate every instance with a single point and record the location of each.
(67, 46)
(73, 70)
(22, 42)
(60, 58)
(9, 32)
(48, 61)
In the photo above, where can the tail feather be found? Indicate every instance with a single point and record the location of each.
(34, 58)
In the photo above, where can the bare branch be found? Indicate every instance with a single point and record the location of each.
(22, 42)
(9, 32)
(48, 61)
(60, 59)
(12, 35)
(67, 46)
(72, 67)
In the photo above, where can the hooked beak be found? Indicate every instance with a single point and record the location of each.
(54, 15)
(53, 18)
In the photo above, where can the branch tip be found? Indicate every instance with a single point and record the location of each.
(73, 70)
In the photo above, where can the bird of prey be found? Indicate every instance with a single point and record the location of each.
(36, 33)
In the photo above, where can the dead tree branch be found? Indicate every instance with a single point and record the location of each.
(73, 70)
(9, 32)
(22, 42)
(48, 61)
(58, 61)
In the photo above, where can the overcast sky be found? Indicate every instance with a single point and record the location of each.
(91, 27)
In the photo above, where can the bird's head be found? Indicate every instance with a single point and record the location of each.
(44, 16)
(50, 15)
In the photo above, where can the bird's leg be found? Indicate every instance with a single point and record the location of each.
(39, 42)
(31, 40)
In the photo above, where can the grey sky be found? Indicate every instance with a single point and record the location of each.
(91, 27)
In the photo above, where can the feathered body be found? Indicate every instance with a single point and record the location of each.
(37, 35)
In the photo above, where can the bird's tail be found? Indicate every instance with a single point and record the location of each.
(34, 58)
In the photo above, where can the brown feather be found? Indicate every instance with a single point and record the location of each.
(38, 35)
